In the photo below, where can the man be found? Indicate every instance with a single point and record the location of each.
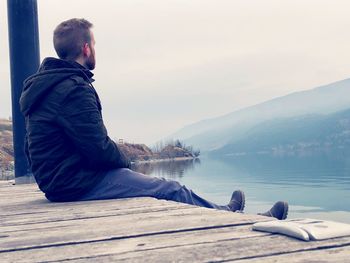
(69, 151)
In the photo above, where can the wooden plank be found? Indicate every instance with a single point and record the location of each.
(12, 196)
(45, 212)
(25, 193)
(18, 189)
(21, 199)
(4, 184)
(341, 254)
(37, 202)
(21, 193)
(89, 249)
(119, 226)
(219, 251)
(40, 203)
(7, 185)
(141, 228)
(36, 217)
(223, 244)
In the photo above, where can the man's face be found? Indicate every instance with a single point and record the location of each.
(90, 61)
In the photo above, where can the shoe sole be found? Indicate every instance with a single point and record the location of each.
(285, 211)
(243, 201)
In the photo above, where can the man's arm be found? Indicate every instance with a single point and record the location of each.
(82, 123)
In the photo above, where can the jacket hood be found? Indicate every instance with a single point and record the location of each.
(52, 71)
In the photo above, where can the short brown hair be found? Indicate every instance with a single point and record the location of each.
(70, 36)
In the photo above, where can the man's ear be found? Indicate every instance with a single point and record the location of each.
(86, 50)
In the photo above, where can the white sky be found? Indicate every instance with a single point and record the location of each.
(163, 64)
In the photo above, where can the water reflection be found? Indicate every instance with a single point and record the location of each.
(315, 186)
(320, 183)
(317, 171)
(169, 169)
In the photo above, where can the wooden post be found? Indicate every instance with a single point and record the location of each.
(24, 61)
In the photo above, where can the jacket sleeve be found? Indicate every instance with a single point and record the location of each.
(82, 122)
(26, 150)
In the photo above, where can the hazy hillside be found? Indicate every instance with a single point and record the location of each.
(215, 133)
(298, 135)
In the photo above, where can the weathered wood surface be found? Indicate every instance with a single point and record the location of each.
(142, 229)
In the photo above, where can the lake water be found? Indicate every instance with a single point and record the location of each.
(315, 187)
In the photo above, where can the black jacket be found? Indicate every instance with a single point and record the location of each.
(68, 147)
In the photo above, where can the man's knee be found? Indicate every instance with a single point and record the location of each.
(173, 187)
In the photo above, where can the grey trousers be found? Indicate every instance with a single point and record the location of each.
(125, 183)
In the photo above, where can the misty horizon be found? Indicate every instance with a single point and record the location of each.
(163, 65)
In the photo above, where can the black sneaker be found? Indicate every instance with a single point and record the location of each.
(237, 201)
(279, 211)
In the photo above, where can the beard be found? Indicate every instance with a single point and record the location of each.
(91, 62)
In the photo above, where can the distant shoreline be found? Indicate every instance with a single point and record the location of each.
(165, 160)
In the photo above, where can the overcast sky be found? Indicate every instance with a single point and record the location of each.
(164, 64)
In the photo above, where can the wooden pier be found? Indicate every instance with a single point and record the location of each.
(142, 230)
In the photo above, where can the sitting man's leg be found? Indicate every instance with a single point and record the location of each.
(124, 183)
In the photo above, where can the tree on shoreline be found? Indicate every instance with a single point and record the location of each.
(161, 146)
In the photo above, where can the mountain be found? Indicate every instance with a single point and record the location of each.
(310, 134)
(211, 134)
